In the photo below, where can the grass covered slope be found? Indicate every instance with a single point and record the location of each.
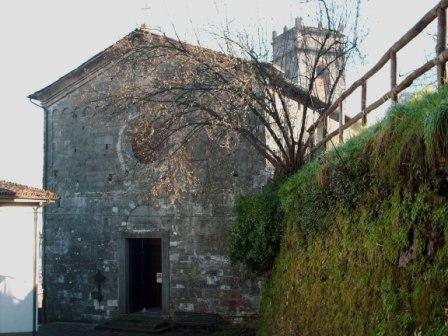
(365, 247)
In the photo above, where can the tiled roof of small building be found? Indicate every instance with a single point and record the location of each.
(10, 190)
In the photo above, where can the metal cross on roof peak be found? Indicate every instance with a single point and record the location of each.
(146, 9)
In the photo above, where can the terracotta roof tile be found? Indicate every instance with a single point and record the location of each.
(10, 190)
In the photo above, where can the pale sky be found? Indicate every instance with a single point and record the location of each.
(44, 39)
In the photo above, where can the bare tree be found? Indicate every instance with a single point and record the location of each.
(185, 92)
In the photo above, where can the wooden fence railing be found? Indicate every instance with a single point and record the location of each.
(439, 13)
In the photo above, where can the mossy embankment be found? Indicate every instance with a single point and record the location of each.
(365, 241)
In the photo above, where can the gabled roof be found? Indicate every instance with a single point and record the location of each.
(94, 65)
(13, 191)
(76, 76)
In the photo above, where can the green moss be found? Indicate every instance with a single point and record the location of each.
(365, 249)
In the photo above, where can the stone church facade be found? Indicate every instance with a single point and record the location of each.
(103, 229)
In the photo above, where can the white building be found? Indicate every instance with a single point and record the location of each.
(19, 206)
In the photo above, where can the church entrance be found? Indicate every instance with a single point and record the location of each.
(145, 274)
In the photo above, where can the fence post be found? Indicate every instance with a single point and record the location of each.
(324, 130)
(393, 75)
(341, 122)
(441, 45)
(364, 103)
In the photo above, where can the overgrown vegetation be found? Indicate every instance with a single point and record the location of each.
(364, 250)
(257, 231)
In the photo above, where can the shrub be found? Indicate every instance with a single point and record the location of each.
(256, 233)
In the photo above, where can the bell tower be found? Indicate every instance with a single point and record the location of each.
(296, 50)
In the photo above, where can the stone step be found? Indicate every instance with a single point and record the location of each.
(143, 316)
(201, 320)
(137, 322)
(135, 327)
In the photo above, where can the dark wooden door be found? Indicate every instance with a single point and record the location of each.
(145, 261)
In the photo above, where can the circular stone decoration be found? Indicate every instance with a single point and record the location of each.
(147, 141)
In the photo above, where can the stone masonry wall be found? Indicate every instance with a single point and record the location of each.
(104, 193)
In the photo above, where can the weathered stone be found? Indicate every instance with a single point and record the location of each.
(104, 197)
